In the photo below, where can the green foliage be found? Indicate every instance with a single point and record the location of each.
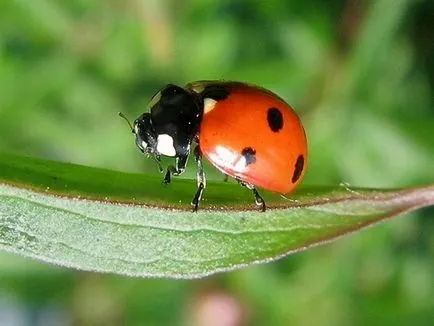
(108, 237)
(360, 73)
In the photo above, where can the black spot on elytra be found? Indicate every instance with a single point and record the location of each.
(275, 119)
(299, 164)
(215, 92)
(249, 154)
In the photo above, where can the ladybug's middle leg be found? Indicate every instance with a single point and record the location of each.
(201, 180)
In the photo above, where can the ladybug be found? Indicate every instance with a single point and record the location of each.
(245, 131)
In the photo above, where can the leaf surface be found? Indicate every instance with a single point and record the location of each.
(130, 224)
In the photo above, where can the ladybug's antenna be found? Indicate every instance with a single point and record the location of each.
(128, 121)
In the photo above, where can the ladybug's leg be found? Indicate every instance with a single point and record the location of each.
(225, 178)
(258, 198)
(168, 176)
(157, 159)
(201, 180)
(178, 169)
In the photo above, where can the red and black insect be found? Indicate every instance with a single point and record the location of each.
(245, 131)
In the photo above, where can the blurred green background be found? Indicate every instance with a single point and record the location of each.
(361, 75)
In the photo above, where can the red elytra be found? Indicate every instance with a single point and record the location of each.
(254, 136)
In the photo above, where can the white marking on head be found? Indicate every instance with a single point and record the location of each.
(165, 145)
(144, 145)
(136, 128)
(208, 105)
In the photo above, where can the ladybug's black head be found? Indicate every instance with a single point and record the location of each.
(146, 138)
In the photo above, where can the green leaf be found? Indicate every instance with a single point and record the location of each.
(113, 222)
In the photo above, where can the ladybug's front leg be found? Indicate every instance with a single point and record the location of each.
(201, 180)
(157, 159)
(178, 169)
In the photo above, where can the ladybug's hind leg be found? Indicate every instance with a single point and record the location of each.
(258, 198)
(201, 180)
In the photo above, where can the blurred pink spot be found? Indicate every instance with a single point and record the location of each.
(217, 309)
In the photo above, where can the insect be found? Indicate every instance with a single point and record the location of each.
(245, 131)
